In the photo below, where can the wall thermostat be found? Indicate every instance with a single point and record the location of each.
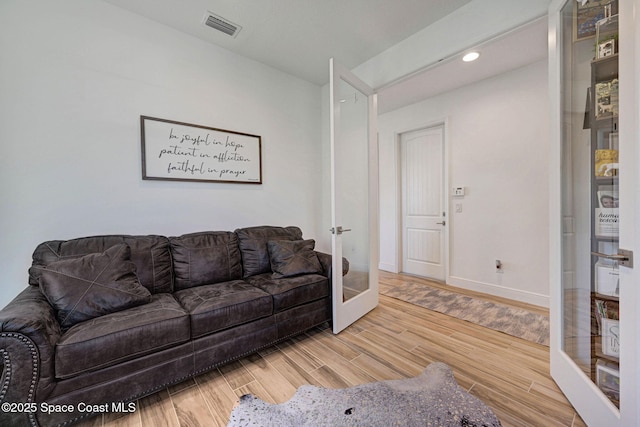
(458, 191)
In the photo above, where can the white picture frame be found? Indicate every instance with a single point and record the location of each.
(606, 48)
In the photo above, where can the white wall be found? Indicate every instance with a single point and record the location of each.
(76, 75)
(498, 145)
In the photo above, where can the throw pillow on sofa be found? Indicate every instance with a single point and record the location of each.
(293, 257)
(93, 285)
(253, 245)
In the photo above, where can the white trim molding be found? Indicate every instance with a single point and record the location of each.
(499, 291)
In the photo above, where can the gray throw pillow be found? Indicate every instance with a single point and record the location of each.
(93, 285)
(292, 258)
(253, 242)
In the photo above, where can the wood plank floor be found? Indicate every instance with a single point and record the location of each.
(395, 340)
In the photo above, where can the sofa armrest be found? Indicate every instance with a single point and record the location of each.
(325, 261)
(28, 334)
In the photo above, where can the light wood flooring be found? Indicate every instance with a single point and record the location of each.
(395, 340)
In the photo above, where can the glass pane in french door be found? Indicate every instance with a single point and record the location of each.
(590, 193)
(352, 170)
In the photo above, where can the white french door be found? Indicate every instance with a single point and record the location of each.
(423, 206)
(354, 196)
(595, 113)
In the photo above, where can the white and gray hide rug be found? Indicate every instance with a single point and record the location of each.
(433, 398)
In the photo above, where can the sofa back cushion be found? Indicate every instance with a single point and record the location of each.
(205, 258)
(253, 245)
(150, 254)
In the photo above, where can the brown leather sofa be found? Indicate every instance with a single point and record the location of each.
(109, 319)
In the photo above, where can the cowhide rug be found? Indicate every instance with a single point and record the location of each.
(433, 398)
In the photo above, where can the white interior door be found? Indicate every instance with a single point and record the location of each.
(596, 369)
(354, 194)
(423, 206)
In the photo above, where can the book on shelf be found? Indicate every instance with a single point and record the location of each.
(607, 222)
(609, 325)
(608, 198)
(606, 162)
(607, 214)
(603, 102)
(611, 337)
(614, 94)
(607, 278)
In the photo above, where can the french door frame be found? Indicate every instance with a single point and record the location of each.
(592, 405)
(347, 312)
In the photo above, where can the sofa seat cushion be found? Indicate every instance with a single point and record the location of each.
(223, 305)
(118, 337)
(290, 292)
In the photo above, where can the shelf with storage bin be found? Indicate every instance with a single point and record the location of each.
(606, 180)
(603, 124)
(605, 68)
(607, 378)
(605, 345)
(610, 239)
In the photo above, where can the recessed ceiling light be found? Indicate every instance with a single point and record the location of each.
(471, 56)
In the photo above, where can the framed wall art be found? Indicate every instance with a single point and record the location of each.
(587, 13)
(178, 151)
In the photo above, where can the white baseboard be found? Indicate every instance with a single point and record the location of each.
(391, 268)
(500, 291)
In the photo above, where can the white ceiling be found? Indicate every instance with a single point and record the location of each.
(299, 36)
(514, 49)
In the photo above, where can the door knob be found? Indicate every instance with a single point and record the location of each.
(442, 223)
(338, 230)
(624, 257)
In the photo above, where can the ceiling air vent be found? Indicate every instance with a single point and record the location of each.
(219, 23)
